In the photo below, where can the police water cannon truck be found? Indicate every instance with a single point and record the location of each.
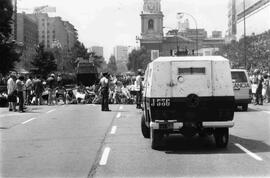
(190, 95)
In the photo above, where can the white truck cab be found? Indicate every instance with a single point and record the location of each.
(188, 95)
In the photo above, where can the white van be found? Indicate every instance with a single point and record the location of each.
(241, 88)
(188, 95)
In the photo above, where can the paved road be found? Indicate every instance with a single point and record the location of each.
(82, 141)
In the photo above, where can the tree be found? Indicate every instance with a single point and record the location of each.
(257, 51)
(8, 54)
(78, 51)
(138, 59)
(97, 60)
(112, 67)
(44, 61)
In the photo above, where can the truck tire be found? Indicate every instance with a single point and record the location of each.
(144, 128)
(221, 137)
(245, 107)
(156, 138)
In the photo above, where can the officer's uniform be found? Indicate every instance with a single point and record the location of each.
(138, 88)
(104, 84)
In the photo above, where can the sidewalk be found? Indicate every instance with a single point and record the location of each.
(264, 107)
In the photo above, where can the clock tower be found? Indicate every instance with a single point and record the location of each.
(151, 25)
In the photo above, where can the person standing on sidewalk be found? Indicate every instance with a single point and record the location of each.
(20, 86)
(28, 90)
(266, 87)
(38, 89)
(259, 97)
(51, 81)
(11, 89)
(104, 89)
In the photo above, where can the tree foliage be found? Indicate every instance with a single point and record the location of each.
(138, 59)
(44, 61)
(97, 60)
(8, 54)
(257, 51)
(79, 51)
(112, 67)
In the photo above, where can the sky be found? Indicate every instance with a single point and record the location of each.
(109, 23)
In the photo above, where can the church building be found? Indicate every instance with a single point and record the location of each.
(154, 40)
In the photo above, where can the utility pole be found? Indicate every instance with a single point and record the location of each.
(245, 50)
(15, 19)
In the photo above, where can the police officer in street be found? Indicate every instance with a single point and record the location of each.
(138, 88)
(104, 89)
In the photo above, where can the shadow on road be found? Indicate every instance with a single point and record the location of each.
(177, 144)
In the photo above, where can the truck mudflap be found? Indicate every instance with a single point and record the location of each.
(174, 125)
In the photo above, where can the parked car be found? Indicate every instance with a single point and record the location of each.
(241, 88)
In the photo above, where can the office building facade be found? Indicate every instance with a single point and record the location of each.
(27, 35)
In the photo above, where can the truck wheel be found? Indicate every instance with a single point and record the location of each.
(144, 128)
(245, 107)
(221, 137)
(156, 138)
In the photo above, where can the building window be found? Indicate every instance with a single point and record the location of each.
(150, 24)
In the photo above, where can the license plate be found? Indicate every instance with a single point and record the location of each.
(165, 125)
(160, 102)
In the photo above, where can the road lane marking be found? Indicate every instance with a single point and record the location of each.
(105, 155)
(267, 112)
(113, 131)
(118, 115)
(253, 155)
(121, 107)
(50, 111)
(29, 120)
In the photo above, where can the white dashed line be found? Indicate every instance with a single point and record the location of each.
(253, 155)
(105, 155)
(50, 111)
(121, 107)
(113, 131)
(267, 112)
(118, 115)
(28, 120)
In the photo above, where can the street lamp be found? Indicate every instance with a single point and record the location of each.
(179, 14)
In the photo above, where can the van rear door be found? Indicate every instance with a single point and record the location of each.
(192, 77)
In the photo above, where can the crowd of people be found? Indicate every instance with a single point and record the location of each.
(260, 86)
(23, 90)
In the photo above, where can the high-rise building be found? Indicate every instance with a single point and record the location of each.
(253, 12)
(121, 53)
(27, 34)
(72, 34)
(216, 34)
(182, 26)
(98, 50)
(53, 30)
(54, 33)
